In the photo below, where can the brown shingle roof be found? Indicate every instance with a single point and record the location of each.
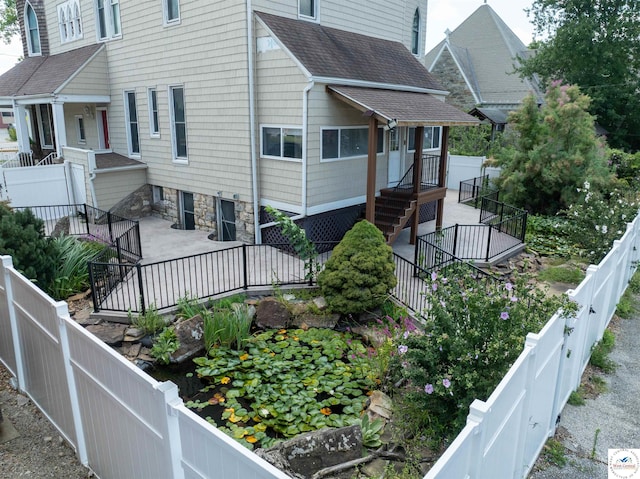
(407, 108)
(333, 53)
(44, 75)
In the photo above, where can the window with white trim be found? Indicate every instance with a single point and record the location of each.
(171, 11)
(69, 21)
(80, 132)
(33, 31)
(108, 15)
(308, 9)
(131, 119)
(178, 123)
(283, 143)
(431, 138)
(154, 122)
(348, 142)
(415, 33)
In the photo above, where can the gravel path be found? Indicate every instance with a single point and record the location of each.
(610, 421)
(30, 447)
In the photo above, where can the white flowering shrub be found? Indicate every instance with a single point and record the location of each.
(598, 219)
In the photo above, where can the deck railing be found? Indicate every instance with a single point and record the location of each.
(125, 287)
(472, 191)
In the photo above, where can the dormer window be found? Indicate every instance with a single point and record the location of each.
(415, 33)
(308, 9)
(33, 32)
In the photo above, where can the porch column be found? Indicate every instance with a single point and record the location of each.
(442, 174)
(370, 211)
(417, 182)
(59, 128)
(22, 128)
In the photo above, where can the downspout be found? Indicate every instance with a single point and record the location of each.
(91, 160)
(252, 126)
(305, 128)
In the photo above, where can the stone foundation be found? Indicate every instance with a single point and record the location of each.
(206, 214)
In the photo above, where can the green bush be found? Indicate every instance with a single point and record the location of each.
(475, 330)
(71, 274)
(164, 345)
(360, 272)
(22, 237)
(13, 135)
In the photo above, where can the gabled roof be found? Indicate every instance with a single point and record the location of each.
(337, 54)
(485, 49)
(45, 75)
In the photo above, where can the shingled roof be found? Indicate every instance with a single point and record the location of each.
(44, 75)
(404, 107)
(338, 54)
(486, 50)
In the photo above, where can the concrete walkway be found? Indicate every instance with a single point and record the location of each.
(611, 421)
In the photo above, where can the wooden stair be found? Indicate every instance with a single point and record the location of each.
(393, 210)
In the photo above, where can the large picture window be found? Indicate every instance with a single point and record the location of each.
(281, 142)
(131, 114)
(431, 138)
(178, 123)
(349, 142)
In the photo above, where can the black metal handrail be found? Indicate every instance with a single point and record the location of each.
(472, 191)
(126, 287)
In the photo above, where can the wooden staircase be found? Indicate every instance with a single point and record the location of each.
(393, 209)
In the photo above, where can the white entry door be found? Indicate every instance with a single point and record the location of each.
(395, 163)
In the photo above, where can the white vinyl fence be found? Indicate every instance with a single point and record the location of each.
(505, 434)
(122, 423)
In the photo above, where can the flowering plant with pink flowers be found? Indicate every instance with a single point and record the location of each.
(475, 329)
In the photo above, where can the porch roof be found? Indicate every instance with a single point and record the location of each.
(110, 161)
(46, 75)
(402, 107)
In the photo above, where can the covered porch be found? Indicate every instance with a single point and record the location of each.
(392, 209)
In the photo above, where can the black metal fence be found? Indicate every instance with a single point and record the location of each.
(472, 191)
(505, 218)
(127, 287)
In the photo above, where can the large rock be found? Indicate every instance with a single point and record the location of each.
(272, 314)
(190, 334)
(308, 453)
(310, 320)
(109, 333)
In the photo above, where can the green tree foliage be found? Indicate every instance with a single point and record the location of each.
(9, 26)
(360, 273)
(593, 44)
(556, 152)
(22, 237)
(477, 141)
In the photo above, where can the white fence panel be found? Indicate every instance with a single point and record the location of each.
(462, 168)
(37, 185)
(123, 411)
(7, 351)
(547, 352)
(206, 453)
(45, 380)
(459, 457)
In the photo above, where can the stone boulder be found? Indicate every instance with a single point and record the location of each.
(308, 453)
(272, 314)
(190, 333)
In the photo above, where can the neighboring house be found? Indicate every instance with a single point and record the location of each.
(311, 106)
(476, 63)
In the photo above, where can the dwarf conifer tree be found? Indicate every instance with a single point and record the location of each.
(22, 237)
(360, 273)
